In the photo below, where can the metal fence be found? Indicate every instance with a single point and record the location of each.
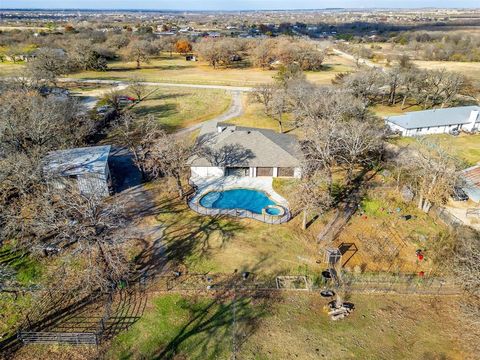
(363, 283)
(266, 218)
(43, 337)
(447, 217)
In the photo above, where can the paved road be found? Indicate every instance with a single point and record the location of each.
(148, 83)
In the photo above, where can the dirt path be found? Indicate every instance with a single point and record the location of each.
(361, 61)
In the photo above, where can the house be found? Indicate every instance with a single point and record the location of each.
(86, 167)
(471, 177)
(190, 58)
(232, 150)
(436, 121)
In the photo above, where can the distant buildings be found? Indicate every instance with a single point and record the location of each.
(436, 121)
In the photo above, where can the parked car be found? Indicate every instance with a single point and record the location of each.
(126, 100)
(104, 109)
(454, 132)
(459, 195)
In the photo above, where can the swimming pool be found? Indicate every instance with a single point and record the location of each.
(246, 199)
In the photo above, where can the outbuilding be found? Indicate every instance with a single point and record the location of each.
(86, 167)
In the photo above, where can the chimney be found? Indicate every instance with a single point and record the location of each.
(472, 120)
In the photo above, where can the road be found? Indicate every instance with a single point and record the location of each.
(361, 61)
(148, 83)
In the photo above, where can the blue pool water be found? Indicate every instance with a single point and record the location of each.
(273, 211)
(246, 199)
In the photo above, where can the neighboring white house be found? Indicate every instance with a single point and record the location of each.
(243, 151)
(87, 167)
(436, 121)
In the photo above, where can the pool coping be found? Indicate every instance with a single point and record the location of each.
(233, 182)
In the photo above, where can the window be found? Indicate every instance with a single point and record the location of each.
(264, 171)
(286, 172)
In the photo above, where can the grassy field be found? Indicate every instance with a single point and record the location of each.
(254, 116)
(293, 326)
(465, 147)
(179, 108)
(176, 70)
(470, 69)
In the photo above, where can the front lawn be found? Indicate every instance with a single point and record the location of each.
(179, 108)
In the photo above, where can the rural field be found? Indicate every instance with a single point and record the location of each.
(176, 70)
(285, 326)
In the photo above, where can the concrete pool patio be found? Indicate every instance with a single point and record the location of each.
(204, 185)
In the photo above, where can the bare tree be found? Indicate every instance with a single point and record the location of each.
(138, 88)
(139, 136)
(219, 51)
(140, 51)
(167, 156)
(311, 195)
(431, 171)
(89, 231)
(30, 122)
(48, 65)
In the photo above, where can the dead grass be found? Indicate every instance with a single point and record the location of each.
(381, 327)
(470, 69)
(465, 147)
(177, 70)
(180, 108)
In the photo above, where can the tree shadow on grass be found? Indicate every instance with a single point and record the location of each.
(159, 111)
(221, 325)
(184, 236)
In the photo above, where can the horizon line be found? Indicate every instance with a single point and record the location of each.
(231, 10)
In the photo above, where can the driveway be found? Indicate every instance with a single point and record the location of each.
(235, 110)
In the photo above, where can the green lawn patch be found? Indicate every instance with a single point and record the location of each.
(199, 328)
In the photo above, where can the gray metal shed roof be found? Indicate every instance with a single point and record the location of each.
(433, 118)
(77, 161)
(472, 182)
(239, 146)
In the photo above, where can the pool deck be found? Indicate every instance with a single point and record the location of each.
(205, 185)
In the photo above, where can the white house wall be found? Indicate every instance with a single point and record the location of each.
(426, 130)
(210, 171)
(297, 174)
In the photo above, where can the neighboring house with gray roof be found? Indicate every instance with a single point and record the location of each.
(86, 167)
(231, 150)
(437, 121)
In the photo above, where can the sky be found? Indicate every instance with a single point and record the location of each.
(234, 4)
